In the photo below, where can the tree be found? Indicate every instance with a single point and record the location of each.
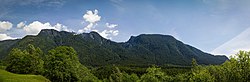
(194, 63)
(201, 75)
(238, 67)
(62, 64)
(155, 75)
(27, 61)
(243, 58)
(182, 77)
(119, 76)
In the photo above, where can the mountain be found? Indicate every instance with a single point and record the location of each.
(94, 50)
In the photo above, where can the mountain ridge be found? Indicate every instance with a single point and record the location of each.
(94, 50)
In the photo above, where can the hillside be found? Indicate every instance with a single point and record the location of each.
(94, 50)
(11, 77)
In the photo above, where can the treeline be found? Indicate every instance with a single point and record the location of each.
(62, 64)
(58, 65)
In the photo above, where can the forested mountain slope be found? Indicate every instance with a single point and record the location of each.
(94, 50)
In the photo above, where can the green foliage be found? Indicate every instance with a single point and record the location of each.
(94, 50)
(194, 63)
(182, 77)
(104, 71)
(2, 66)
(27, 61)
(238, 68)
(235, 70)
(201, 74)
(119, 76)
(10, 77)
(155, 75)
(62, 64)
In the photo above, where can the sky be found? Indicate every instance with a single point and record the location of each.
(220, 27)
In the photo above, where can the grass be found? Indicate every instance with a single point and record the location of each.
(6, 76)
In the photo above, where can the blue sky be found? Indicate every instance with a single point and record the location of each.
(214, 26)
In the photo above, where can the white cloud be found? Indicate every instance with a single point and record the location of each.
(30, 29)
(21, 25)
(80, 31)
(5, 25)
(89, 27)
(5, 37)
(240, 42)
(108, 33)
(92, 18)
(111, 25)
(115, 33)
(35, 27)
(61, 27)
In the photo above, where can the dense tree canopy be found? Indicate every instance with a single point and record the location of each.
(62, 64)
(155, 75)
(119, 76)
(27, 61)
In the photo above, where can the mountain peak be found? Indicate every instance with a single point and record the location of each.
(93, 33)
(93, 36)
(151, 38)
(48, 32)
(54, 33)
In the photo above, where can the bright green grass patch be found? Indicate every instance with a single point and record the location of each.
(11, 77)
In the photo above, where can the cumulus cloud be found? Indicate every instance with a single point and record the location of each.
(111, 25)
(21, 25)
(30, 29)
(240, 42)
(5, 37)
(108, 33)
(91, 17)
(5, 25)
(61, 27)
(35, 27)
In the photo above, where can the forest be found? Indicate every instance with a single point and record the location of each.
(62, 64)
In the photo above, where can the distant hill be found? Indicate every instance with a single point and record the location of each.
(94, 50)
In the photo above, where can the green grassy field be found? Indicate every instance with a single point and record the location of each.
(11, 77)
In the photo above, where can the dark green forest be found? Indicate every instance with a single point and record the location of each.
(94, 50)
(62, 64)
